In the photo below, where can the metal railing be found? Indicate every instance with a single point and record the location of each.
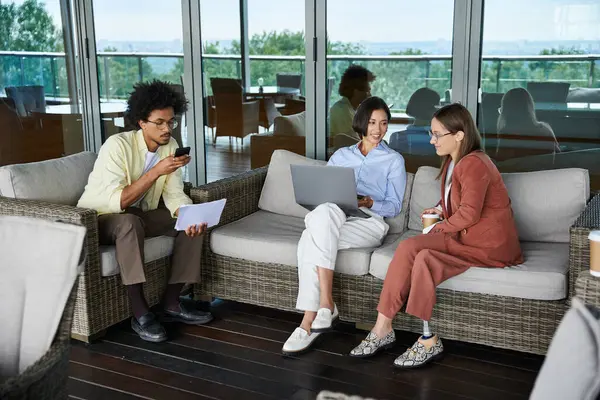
(118, 70)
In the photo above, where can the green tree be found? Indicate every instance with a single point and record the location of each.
(575, 72)
(123, 72)
(174, 75)
(29, 27)
(501, 76)
(285, 43)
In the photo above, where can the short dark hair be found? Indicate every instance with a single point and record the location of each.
(155, 95)
(360, 123)
(355, 77)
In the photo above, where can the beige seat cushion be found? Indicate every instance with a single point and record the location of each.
(272, 238)
(290, 125)
(543, 275)
(60, 181)
(277, 194)
(154, 248)
(545, 203)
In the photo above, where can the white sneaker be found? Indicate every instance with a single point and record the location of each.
(324, 320)
(299, 341)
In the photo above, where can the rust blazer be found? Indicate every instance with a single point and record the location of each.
(478, 221)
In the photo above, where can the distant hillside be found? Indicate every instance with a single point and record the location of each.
(489, 48)
(381, 48)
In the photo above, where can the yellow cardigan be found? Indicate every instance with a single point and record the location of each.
(121, 162)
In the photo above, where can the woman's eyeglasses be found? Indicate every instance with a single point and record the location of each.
(438, 136)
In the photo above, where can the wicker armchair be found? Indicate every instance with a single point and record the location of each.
(47, 378)
(235, 117)
(579, 250)
(34, 347)
(506, 322)
(101, 301)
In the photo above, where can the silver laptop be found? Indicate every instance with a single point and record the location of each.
(318, 184)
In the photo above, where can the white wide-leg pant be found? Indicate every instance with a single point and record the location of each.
(327, 231)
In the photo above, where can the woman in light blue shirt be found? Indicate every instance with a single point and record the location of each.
(380, 184)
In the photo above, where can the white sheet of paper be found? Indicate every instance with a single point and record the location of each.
(194, 214)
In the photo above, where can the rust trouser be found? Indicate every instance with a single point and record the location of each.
(419, 265)
(127, 232)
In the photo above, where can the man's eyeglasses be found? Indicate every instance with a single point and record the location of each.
(437, 137)
(172, 124)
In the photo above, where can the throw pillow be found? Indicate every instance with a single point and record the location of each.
(290, 125)
(277, 195)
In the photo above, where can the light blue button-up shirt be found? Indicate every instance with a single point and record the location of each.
(380, 174)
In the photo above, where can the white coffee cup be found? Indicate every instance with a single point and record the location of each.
(594, 238)
(430, 219)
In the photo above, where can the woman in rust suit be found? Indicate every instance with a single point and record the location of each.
(476, 229)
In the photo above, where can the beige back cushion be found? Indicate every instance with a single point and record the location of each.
(59, 181)
(277, 194)
(425, 194)
(399, 223)
(290, 125)
(545, 203)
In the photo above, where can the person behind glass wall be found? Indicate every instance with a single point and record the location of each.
(477, 228)
(517, 117)
(381, 181)
(414, 139)
(355, 86)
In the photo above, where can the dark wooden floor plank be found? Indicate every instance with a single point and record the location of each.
(180, 362)
(494, 376)
(269, 371)
(89, 356)
(446, 379)
(84, 390)
(386, 388)
(128, 384)
(498, 356)
(239, 356)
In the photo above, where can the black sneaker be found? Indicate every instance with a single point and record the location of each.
(149, 328)
(188, 315)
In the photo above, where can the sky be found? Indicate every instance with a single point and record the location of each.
(347, 20)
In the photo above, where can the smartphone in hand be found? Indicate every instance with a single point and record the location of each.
(182, 151)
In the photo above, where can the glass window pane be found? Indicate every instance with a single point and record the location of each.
(410, 59)
(38, 92)
(540, 91)
(240, 116)
(130, 52)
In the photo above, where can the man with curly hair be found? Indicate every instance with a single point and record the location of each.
(133, 171)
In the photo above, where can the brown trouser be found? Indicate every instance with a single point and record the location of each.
(127, 232)
(419, 265)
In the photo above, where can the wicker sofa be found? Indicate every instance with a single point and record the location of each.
(50, 190)
(250, 257)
